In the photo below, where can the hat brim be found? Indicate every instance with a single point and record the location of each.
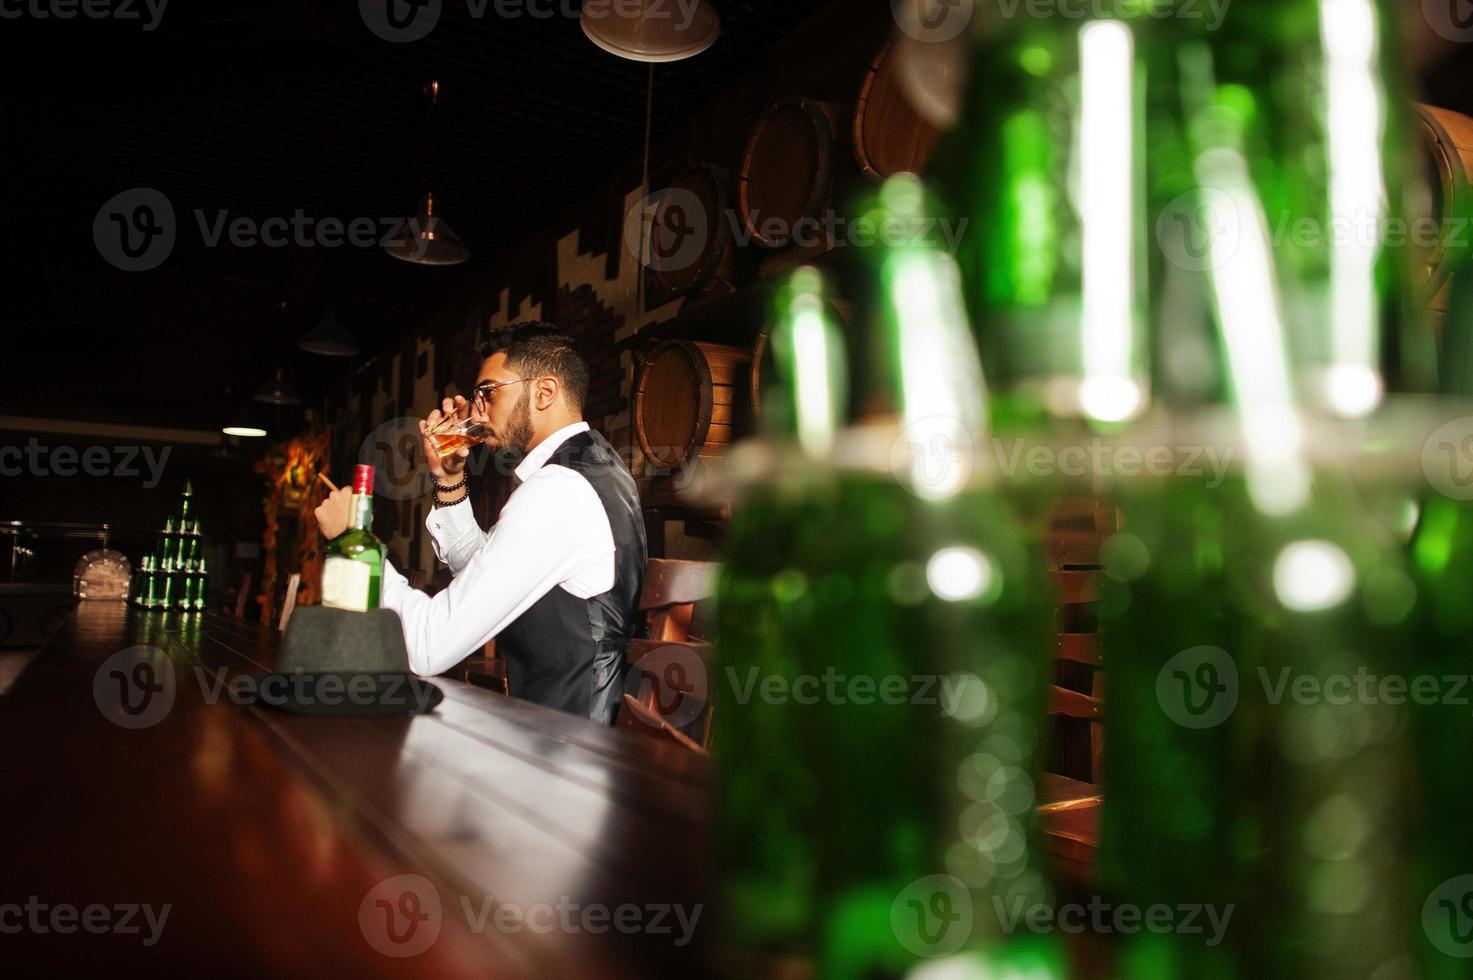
(345, 693)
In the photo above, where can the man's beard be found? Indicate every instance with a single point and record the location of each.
(518, 435)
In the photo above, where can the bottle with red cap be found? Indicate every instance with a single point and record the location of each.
(353, 570)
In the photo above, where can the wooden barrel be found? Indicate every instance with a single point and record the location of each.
(762, 365)
(690, 244)
(788, 170)
(684, 404)
(890, 136)
(1447, 145)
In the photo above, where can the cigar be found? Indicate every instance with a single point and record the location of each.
(329, 483)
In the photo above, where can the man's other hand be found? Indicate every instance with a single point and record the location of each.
(334, 513)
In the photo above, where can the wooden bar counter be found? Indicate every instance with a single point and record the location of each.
(534, 843)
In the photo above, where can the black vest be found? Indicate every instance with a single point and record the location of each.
(566, 652)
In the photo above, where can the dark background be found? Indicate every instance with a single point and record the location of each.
(263, 107)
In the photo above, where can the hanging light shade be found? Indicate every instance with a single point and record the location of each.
(329, 338)
(275, 391)
(656, 32)
(427, 240)
(244, 422)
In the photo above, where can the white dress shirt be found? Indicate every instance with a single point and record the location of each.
(553, 533)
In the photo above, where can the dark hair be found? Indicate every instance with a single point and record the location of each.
(535, 348)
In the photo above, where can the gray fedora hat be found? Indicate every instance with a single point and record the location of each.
(338, 662)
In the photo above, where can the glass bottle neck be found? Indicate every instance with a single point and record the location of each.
(360, 515)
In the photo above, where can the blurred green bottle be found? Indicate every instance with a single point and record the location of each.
(766, 833)
(1441, 554)
(1174, 212)
(933, 641)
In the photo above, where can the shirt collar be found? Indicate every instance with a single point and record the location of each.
(538, 457)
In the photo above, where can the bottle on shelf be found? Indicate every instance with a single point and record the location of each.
(168, 546)
(352, 571)
(202, 586)
(152, 586)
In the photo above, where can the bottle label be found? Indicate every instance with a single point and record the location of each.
(345, 584)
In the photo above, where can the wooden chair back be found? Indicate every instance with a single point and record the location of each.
(1069, 808)
(289, 600)
(672, 589)
(675, 682)
(243, 596)
(635, 717)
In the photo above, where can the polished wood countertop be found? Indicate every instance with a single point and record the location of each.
(490, 837)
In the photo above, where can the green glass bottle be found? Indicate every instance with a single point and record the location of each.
(765, 830)
(1158, 205)
(193, 541)
(171, 591)
(186, 502)
(202, 585)
(168, 549)
(352, 571)
(148, 597)
(1441, 552)
(933, 627)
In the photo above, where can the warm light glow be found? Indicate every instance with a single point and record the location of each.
(244, 432)
(815, 397)
(926, 301)
(1310, 576)
(1354, 390)
(1110, 398)
(1247, 297)
(1106, 51)
(1354, 120)
(958, 574)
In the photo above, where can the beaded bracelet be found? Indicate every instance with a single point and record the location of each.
(451, 489)
(451, 503)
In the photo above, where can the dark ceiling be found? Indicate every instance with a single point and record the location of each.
(261, 109)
